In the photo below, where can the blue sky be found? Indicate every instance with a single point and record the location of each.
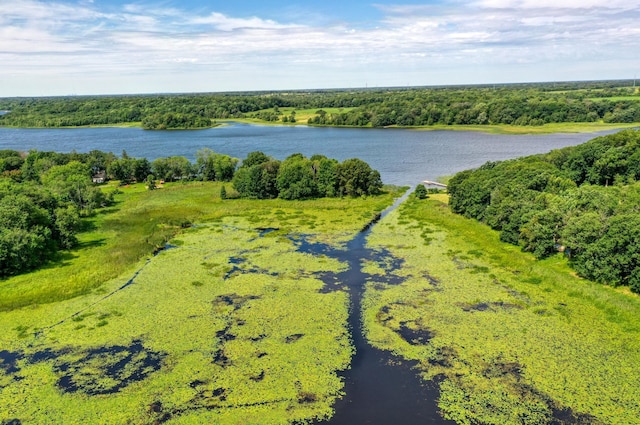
(61, 47)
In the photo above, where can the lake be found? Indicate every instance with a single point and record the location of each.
(403, 157)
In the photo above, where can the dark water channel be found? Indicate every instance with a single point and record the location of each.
(380, 388)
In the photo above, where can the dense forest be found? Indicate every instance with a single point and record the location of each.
(582, 200)
(43, 195)
(517, 104)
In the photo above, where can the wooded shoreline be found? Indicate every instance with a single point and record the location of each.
(526, 108)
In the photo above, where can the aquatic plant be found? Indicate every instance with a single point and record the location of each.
(229, 325)
(511, 340)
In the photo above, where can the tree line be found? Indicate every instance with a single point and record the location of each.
(520, 104)
(44, 195)
(299, 177)
(582, 200)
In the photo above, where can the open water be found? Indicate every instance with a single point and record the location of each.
(402, 156)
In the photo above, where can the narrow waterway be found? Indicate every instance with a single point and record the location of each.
(380, 388)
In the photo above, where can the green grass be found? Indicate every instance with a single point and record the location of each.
(586, 127)
(616, 98)
(132, 124)
(202, 343)
(142, 221)
(302, 115)
(513, 338)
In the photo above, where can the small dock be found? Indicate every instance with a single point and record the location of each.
(431, 184)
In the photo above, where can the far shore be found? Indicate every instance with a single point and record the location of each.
(584, 127)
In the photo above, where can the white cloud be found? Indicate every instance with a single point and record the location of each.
(559, 4)
(82, 41)
(41, 11)
(226, 23)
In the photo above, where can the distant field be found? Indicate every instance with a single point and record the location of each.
(586, 127)
(301, 115)
(616, 98)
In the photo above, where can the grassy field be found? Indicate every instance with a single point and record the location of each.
(513, 340)
(616, 98)
(584, 127)
(302, 115)
(228, 326)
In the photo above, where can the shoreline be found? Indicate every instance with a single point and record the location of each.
(487, 129)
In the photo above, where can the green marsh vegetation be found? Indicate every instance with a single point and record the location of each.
(510, 339)
(44, 195)
(501, 317)
(229, 326)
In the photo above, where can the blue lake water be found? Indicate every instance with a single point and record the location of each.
(402, 156)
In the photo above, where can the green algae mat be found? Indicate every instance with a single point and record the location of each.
(227, 325)
(510, 340)
(232, 323)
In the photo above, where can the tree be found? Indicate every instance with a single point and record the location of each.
(565, 198)
(205, 159)
(244, 182)
(256, 177)
(268, 179)
(67, 222)
(151, 182)
(225, 167)
(296, 178)
(99, 161)
(141, 168)
(254, 158)
(25, 233)
(121, 169)
(257, 181)
(72, 183)
(614, 258)
(326, 175)
(540, 234)
(172, 168)
(10, 160)
(37, 163)
(420, 192)
(356, 178)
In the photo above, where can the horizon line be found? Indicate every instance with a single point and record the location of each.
(335, 89)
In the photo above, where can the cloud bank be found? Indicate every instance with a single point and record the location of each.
(55, 48)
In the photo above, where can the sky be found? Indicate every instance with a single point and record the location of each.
(67, 47)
